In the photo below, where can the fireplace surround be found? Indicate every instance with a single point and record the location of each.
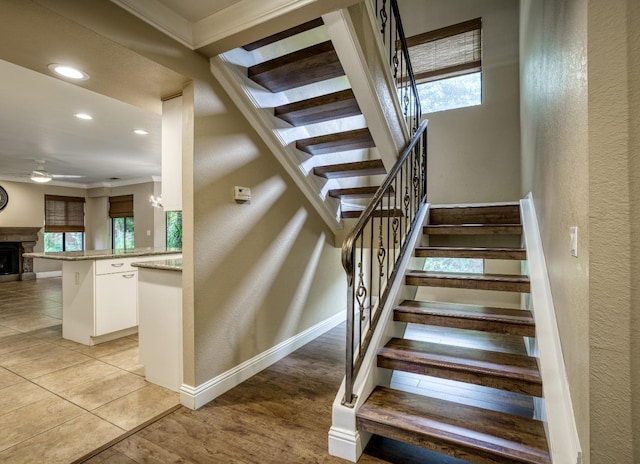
(23, 239)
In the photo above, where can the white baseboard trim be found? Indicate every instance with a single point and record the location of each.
(47, 274)
(346, 444)
(557, 413)
(196, 397)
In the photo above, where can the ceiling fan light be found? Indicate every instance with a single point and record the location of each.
(41, 177)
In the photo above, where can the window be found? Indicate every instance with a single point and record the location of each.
(122, 226)
(122, 233)
(174, 229)
(63, 223)
(465, 265)
(447, 64)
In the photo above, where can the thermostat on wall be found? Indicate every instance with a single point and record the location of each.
(241, 193)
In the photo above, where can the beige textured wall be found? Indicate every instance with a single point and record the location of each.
(555, 169)
(264, 271)
(633, 28)
(610, 277)
(580, 119)
(473, 152)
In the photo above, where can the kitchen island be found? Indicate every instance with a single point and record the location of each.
(160, 321)
(100, 291)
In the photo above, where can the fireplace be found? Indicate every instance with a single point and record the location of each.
(9, 258)
(14, 241)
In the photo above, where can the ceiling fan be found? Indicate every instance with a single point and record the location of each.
(41, 176)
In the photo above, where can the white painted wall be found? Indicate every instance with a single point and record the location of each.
(474, 152)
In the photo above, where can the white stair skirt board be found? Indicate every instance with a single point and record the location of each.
(196, 397)
(558, 416)
(344, 439)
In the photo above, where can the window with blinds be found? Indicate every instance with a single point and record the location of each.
(63, 214)
(121, 206)
(448, 52)
(447, 64)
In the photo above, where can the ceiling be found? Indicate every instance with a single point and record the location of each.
(36, 115)
(37, 112)
(37, 122)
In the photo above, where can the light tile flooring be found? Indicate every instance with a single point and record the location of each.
(60, 400)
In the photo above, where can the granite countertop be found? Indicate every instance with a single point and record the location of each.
(102, 254)
(162, 264)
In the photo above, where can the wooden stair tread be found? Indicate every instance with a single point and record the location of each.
(473, 214)
(458, 430)
(284, 34)
(313, 64)
(336, 142)
(357, 192)
(354, 169)
(464, 316)
(355, 214)
(335, 105)
(507, 371)
(500, 282)
(471, 252)
(473, 229)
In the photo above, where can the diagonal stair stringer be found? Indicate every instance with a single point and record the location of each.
(285, 140)
(262, 122)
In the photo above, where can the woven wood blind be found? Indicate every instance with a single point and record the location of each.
(448, 52)
(63, 214)
(121, 206)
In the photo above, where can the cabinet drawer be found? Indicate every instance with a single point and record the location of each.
(109, 266)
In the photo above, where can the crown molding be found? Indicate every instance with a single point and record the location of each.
(162, 18)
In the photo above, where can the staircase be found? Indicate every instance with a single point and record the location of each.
(463, 384)
(311, 116)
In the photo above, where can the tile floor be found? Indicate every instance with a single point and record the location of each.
(60, 400)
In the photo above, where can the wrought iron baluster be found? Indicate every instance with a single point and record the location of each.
(383, 18)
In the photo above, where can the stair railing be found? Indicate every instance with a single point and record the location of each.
(395, 42)
(376, 244)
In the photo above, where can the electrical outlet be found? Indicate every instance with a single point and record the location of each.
(573, 241)
(76, 278)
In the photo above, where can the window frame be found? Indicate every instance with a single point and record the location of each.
(62, 215)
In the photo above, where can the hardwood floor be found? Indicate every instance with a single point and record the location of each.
(283, 414)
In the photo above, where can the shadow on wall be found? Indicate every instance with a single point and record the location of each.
(268, 272)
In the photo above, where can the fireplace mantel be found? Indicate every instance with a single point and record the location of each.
(27, 237)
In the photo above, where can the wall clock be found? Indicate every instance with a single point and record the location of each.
(4, 198)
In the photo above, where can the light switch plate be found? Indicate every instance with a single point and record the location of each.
(573, 241)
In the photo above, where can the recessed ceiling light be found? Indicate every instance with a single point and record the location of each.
(141, 132)
(83, 116)
(68, 72)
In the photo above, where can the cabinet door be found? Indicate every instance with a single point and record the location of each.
(116, 302)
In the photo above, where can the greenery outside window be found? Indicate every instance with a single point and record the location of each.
(122, 224)
(174, 229)
(122, 233)
(63, 223)
(464, 265)
(447, 64)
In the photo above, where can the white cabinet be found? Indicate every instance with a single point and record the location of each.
(160, 331)
(100, 298)
(116, 296)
